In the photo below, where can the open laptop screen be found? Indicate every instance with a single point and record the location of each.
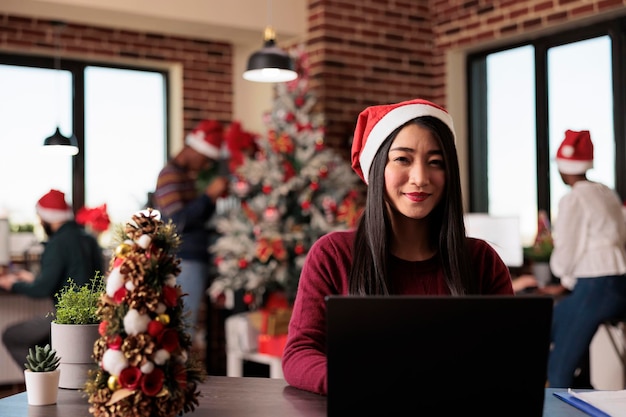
(437, 355)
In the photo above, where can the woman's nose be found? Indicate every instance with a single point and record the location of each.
(419, 173)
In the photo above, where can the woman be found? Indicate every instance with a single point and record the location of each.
(589, 257)
(410, 239)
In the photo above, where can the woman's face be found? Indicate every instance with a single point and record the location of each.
(415, 172)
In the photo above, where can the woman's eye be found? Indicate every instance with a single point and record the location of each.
(403, 159)
(437, 162)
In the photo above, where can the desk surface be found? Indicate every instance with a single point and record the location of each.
(233, 397)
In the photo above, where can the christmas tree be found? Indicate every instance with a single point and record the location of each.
(143, 352)
(291, 190)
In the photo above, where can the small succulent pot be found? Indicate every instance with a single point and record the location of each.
(41, 375)
(42, 388)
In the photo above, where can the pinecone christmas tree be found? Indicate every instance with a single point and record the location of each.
(145, 368)
(291, 189)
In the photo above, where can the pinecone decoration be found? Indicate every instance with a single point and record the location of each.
(143, 352)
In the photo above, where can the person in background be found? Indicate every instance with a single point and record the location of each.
(410, 238)
(589, 257)
(177, 198)
(70, 252)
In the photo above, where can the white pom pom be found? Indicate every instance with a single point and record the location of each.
(115, 280)
(567, 151)
(170, 280)
(135, 323)
(161, 356)
(144, 241)
(114, 361)
(129, 285)
(161, 308)
(147, 367)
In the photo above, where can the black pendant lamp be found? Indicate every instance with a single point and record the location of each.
(60, 144)
(57, 143)
(270, 64)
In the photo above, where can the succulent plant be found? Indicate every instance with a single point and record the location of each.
(42, 359)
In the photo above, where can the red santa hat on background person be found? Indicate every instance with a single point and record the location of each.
(207, 138)
(376, 123)
(575, 154)
(52, 207)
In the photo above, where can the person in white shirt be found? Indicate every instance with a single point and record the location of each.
(589, 257)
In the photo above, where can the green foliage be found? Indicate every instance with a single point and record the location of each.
(42, 359)
(22, 228)
(79, 304)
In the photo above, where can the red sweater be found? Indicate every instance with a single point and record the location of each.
(326, 272)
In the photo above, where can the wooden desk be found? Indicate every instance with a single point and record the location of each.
(233, 397)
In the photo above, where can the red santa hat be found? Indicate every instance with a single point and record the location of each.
(207, 138)
(575, 155)
(376, 123)
(52, 207)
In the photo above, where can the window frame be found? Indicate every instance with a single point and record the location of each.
(77, 68)
(477, 109)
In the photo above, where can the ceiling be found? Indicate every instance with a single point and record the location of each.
(240, 22)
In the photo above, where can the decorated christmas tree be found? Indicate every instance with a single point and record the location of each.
(145, 368)
(291, 190)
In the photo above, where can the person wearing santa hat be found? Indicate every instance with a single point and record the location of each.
(410, 238)
(177, 197)
(70, 252)
(589, 257)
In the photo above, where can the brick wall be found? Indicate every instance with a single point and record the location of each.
(385, 51)
(207, 66)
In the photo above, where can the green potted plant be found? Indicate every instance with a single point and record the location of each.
(74, 329)
(41, 375)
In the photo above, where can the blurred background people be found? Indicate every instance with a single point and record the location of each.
(177, 197)
(69, 252)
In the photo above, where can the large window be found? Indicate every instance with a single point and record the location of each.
(524, 98)
(119, 116)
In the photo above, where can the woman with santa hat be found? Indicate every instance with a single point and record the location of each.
(589, 257)
(410, 238)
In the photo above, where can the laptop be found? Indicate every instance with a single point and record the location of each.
(437, 355)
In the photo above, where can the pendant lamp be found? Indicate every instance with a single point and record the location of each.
(270, 64)
(60, 144)
(57, 143)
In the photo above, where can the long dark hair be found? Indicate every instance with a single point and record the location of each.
(368, 275)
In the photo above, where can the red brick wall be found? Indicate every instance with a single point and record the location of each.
(385, 51)
(207, 66)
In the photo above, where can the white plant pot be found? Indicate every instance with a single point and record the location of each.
(74, 345)
(42, 388)
(542, 273)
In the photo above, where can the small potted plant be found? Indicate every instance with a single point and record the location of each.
(74, 330)
(41, 375)
(539, 253)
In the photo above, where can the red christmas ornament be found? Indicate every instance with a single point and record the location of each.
(248, 298)
(314, 186)
(243, 264)
(306, 205)
(267, 189)
(299, 249)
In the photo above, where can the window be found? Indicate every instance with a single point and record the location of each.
(523, 98)
(119, 116)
